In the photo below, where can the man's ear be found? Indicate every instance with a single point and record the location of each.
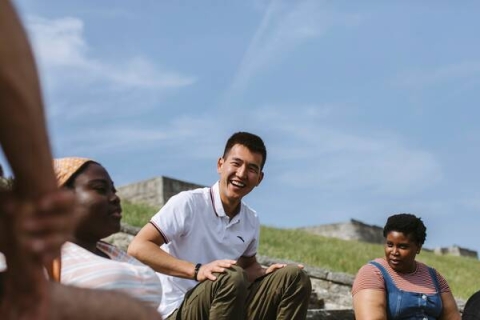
(219, 164)
(260, 179)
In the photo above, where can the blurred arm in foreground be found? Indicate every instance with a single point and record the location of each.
(36, 218)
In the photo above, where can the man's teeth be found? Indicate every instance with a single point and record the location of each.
(238, 184)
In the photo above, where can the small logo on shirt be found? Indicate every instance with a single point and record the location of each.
(240, 238)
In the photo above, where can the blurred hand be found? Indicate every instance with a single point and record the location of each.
(38, 228)
(31, 236)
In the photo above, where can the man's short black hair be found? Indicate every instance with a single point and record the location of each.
(407, 224)
(253, 143)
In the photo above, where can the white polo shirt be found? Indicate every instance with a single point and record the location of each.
(196, 229)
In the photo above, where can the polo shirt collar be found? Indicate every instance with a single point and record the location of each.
(217, 203)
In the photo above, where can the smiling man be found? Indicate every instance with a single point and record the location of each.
(203, 244)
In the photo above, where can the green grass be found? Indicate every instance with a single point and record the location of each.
(137, 214)
(337, 255)
(462, 273)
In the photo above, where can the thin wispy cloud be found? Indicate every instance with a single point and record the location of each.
(313, 154)
(143, 73)
(60, 43)
(282, 28)
(184, 134)
(335, 160)
(114, 140)
(285, 26)
(79, 83)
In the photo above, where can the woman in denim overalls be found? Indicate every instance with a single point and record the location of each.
(398, 286)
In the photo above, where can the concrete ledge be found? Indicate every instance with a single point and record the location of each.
(322, 314)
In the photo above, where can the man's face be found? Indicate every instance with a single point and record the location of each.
(239, 172)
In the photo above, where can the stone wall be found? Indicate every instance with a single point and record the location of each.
(352, 230)
(154, 192)
(359, 231)
(456, 251)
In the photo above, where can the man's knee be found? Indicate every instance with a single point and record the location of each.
(235, 277)
(229, 289)
(294, 275)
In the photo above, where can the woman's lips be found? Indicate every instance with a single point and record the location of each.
(116, 213)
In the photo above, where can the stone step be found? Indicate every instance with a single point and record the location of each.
(322, 314)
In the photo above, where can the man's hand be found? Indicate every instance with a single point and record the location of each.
(206, 271)
(277, 266)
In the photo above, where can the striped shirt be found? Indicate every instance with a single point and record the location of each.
(370, 277)
(121, 272)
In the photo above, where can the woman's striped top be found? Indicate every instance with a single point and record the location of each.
(121, 272)
(370, 277)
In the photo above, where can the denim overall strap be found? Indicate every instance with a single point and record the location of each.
(393, 294)
(411, 305)
(437, 298)
(433, 274)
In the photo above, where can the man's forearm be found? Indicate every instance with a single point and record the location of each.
(156, 258)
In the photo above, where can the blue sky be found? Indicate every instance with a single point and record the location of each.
(367, 109)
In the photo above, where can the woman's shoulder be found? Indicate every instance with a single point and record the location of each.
(109, 249)
(117, 254)
(373, 266)
(368, 277)
(371, 272)
(424, 269)
(72, 251)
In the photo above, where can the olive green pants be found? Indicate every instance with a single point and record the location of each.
(282, 294)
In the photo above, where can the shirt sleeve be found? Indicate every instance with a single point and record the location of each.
(368, 277)
(444, 287)
(172, 221)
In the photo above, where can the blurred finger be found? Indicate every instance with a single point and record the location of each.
(38, 225)
(49, 247)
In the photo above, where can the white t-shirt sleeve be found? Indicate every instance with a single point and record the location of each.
(173, 219)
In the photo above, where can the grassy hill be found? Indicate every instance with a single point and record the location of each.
(463, 274)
